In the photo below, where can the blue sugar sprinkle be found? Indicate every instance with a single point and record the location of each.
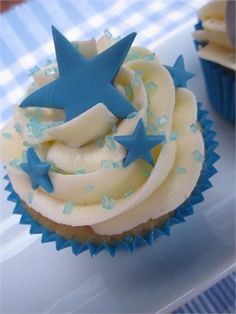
(30, 197)
(51, 71)
(128, 193)
(68, 208)
(129, 91)
(131, 115)
(25, 143)
(17, 127)
(106, 164)
(161, 121)
(100, 142)
(23, 156)
(90, 188)
(150, 85)
(133, 55)
(151, 128)
(194, 128)
(48, 62)
(110, 142)
(146, 169)
(173, 136)
(80, 171)
(113, 126)
(7, 135)
(77, 46)
(107, 202)
(117, 38)
(149, 112)
(137, 77)
(107, 33)
(16, 164)
(34, 70)
(150, 57)
(117, 164)
(198, 156)
(180, 170)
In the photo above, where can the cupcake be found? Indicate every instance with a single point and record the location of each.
(215, 42)
(108, 148)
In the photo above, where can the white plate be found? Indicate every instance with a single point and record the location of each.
(36, 278)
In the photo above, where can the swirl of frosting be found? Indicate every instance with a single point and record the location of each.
(87, 163)
(218, 32)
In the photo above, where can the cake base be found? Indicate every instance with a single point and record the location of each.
(84, 234)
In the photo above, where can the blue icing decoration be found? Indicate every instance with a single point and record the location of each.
(82, 82)
(139, 145)
(194, 128)
(37, 171)
(68, 208)
(178, 73)
(107, 202)
(198, 156)
(180, 170)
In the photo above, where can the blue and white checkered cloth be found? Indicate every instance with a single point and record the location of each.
(25, 41)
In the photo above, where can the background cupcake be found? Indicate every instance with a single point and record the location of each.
(215, 42)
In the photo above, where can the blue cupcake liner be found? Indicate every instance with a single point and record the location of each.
(220, 84)
(132, 243)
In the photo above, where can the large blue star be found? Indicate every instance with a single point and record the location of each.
(139, 145)
(82, 82)
(178, 73)
(37, 171)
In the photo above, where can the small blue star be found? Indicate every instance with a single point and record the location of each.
(178, 73)
(82, 82)
(37, 171)
(139, 144)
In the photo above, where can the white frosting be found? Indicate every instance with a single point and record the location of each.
(219, 48)
(75, 147)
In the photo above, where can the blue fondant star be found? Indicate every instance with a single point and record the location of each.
(82, 82)
(139, 145)
(178, 73)
(37, 171)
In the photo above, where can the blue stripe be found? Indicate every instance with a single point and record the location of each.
(219, 297)
(6, 113)
(6, 55)
(196, 306)
(224, 293)
(230, 284)
(213, 301)
(21, 31)
(206, 306)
